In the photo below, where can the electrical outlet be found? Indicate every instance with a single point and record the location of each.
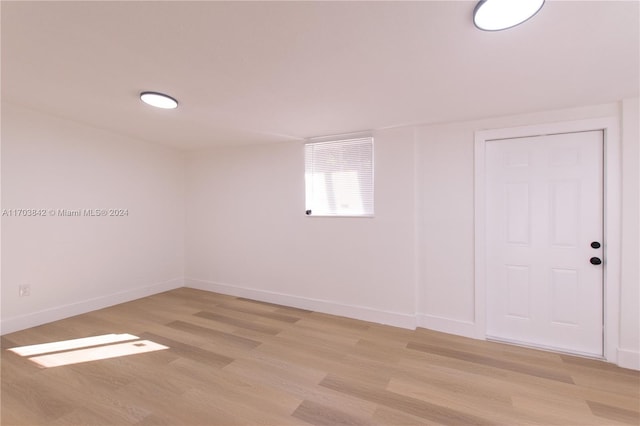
(24, 290)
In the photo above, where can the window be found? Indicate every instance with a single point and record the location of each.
(339, 177)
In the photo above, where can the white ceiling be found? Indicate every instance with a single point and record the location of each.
(253, 72)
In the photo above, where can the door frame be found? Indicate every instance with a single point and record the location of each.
(612, 175)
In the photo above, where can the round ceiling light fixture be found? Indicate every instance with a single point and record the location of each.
(496, 15)
(158, 100)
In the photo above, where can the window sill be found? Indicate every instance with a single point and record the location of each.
(360, 216)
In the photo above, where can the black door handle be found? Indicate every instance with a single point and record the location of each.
(595, 261)
(595, 245)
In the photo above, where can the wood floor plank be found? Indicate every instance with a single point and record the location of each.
(542, 409)
(233, 361)
(189, 351)
(276, 307)
(15, 368)
(304, 333)
(323, 415)
(288, 310)
(239, 322)
(260, 311)
(596, 365)
(453, 387)
(402, 403)
(298, 380)
(231, 390)
(388, 416)
(209, 333)
(492, 362)
(83, 416)
(17, 412)
(35, 396)
(497, 410)
(623, 384)
(514, 384)
(339, 322)
(614, 413)
(299, 355)
(376, 351)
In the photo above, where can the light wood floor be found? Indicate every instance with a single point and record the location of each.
(234, 361)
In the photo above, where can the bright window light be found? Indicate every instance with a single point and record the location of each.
(495, 15)
(348, 194)
(158, 100)
(339, 177)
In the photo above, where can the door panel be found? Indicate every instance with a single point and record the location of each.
(544, 208)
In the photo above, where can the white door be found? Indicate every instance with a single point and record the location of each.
(544, 225)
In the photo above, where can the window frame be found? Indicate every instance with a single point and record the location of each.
(336, 139)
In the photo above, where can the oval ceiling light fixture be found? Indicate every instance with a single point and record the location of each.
(158, 100)
(496, 15)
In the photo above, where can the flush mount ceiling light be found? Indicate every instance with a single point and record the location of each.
(495, 15)
(158, 100)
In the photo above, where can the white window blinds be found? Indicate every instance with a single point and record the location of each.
(339, 177)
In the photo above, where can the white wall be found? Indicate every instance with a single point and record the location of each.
(446, 202)
(630, 275)
(75, 264)
(446, 214)
(247, 233)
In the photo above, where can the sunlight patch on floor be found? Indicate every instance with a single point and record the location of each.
(66, 345)
(75, 351)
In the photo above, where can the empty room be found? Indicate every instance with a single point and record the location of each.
(320, 213)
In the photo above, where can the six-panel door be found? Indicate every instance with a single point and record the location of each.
(544, 205)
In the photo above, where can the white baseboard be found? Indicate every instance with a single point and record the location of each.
(10, 325)
(448, 325)
(629, 359)
(325, 306)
